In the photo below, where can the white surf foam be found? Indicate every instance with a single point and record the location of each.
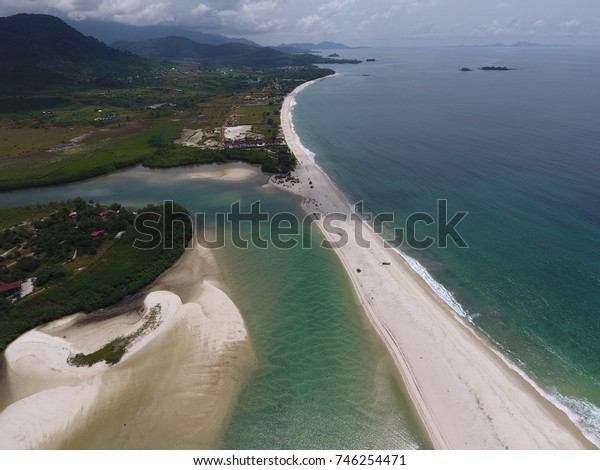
(585, 415)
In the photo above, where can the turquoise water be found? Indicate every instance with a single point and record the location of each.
(519, 150)
(322, 379)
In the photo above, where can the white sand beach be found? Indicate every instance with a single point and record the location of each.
(464, 392)
(182, 376)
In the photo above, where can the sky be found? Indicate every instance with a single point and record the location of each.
(354, 22)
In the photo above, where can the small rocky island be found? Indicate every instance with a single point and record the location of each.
(335, 54)
(466, 69)
(494, 68)
(370, 60)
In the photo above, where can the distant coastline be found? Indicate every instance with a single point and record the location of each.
(516, 44)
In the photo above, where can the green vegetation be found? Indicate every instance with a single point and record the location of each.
(40, 247)
(116, 270)
(66, 143)
(113, 351)
(264, 119)
(10, 217)
(73, 108)
(122, 152)
(26, 104)
(274, 159)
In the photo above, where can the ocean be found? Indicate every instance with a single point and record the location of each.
(518, 150)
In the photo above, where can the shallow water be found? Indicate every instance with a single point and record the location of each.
(322, 378)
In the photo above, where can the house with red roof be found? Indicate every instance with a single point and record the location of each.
(13, 288)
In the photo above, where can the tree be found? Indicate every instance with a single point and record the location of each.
(5, 305)
(49, 272)
(28, 264)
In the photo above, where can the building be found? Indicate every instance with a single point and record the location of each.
(13, 288)
(97, 233)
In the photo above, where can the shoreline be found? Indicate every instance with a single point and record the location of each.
(465, 392)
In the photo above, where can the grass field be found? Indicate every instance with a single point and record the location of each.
(13, 216)
(264, 119)
(95, 158)
(15, 141)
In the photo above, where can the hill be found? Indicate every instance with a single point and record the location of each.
(232, 54)
(291, 49)
(111, 31)
(38, 51)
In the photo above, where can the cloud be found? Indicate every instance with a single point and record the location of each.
(249, 17)
(539, 24)
(200, 9)
(495, 27)
(315, 23)
(424, 29)
(570, 26)
(387, 11)
(236, 16)
(386, 20)
(336, 7)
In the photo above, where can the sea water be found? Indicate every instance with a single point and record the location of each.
(520, 151)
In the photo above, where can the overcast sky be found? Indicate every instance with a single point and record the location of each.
(356, 22)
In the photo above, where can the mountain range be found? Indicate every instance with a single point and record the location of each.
(232, 54)
(40, 50)
(112, 31)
